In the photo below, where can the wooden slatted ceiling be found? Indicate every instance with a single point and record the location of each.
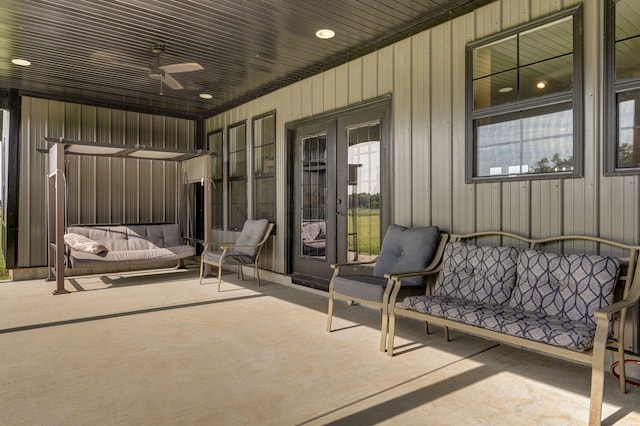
(100, 51)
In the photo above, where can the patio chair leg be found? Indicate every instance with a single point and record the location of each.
(201, 270)
(426, 327)
(384, 329)
(330, 311)
(392, 332)
(258, 275)
(446, 334)
(597, 371)
(219, 276)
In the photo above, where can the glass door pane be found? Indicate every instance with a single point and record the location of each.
(363, 191)
(313, 193)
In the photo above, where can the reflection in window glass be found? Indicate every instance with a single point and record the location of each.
(546, 42)
(495, 58)
(629, 129)
(623, 18)
(265, 198)
(264, 167)
(544, 78)
(237, 204)
(237, 143)
(216, 146)
(523, 87)
(530, 64)
(495, 90)
(628, 59)
(238, 151)
(538, 141)
(627, 20)
(363, 180)
(313, 191)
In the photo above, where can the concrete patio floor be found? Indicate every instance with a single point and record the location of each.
(155, 347)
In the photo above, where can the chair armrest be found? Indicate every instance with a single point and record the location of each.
(338, 265)
(400, 275)
(211, 243)
(608, 311)
(230, 246)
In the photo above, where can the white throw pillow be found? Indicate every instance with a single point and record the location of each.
(82, 243)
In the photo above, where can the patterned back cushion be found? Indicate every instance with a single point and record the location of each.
(570, 286)
(481, 274)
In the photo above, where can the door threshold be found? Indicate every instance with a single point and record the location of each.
(311, 281)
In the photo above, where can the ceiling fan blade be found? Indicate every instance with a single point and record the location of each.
(172, 82)
(184, 67)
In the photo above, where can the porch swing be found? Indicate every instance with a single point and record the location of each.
(118, 245)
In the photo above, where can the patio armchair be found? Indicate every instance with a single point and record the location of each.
(244, 252)
(403, 250)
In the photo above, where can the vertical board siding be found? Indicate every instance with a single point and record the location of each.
(100, 190)
(441, 166)
(401, 113)
(463, 194)
(369, 77)
(425, 76)
(421, 142)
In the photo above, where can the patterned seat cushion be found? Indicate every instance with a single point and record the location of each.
(565, 286)
(550, 329)
(482, 274)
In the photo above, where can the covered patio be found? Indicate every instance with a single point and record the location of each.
(154, 347)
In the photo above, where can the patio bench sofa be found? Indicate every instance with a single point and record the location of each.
(523, 292)
(147, 245)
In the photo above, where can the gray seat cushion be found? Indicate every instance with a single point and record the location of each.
(362, 286)
(231, 259)
(130, 245)
(407, 249)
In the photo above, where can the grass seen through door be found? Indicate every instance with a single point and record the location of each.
(367, 236)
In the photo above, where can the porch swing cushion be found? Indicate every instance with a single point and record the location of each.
(82, 243)
(129, 245)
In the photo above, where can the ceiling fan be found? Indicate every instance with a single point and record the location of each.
(163, 72)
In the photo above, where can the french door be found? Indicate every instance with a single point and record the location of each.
(340, 190)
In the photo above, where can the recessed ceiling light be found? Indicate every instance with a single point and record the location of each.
(21, 62)
(206, 96)
(505, 89)
(541, 84)
(324, 34)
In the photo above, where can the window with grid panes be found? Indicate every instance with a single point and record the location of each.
(215, 145)
(622, 82)
(524, 101)
(237, 183)
(264, 167)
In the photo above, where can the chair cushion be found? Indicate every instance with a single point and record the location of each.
(363, 286)
(407, 249)
(571, 286)
(213, 257)
(482, 274)
(84, 244)
(554, 330)
(252, 233)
